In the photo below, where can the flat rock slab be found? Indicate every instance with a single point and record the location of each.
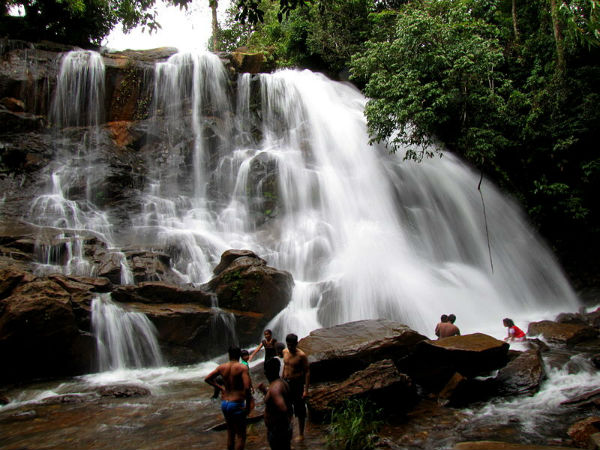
(497, 445)
(335, 353)
(561, 333)
(433, 363)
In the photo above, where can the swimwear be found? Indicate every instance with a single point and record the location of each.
(233, 410)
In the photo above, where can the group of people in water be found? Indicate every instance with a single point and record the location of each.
(288, 375)
(446, 328)
(287, 371)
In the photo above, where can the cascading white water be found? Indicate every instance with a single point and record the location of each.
(124, 339)
(78, 103)
(364, 233)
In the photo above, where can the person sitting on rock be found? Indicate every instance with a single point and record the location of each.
(514, 332)
(447, 329)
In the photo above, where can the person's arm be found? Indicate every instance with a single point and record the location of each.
(437, 330)
(247, 384)
(306, 375)
(255, 351)
(211, 379)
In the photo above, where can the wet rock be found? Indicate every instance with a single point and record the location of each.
(433, 363)
(461, 391)
(497, 445)
(4, 400)
(561, 333)
(13, 104)
(20, 122)
(587, 399)
(229, 256)
(69, 398)
(248, 62)
(338, 351)
(582, 430)
(39, 333)
(151, 266)
(380, 382)
(189, 333)
(123, 391)
(522, 375)
(158, 292)
(248, 284)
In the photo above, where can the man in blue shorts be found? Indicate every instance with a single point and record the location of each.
(236, 397)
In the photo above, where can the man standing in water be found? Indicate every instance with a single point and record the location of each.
(236, 397)
(297, 374)
(278, 408)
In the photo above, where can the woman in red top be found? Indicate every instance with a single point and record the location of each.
(514, 332)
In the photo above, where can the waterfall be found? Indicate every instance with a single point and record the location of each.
(69, 203)
(364, 233)
(124, 339)
(282, 165)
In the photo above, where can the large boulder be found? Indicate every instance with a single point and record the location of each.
(338, 351)
(561, 333)
(522, 375)
(380, 382)
(244, 282)
(433, 363)
(188, 333)
(39, 335)
(582, 431)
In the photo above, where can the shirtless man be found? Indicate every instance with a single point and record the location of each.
(236, 397)
(278, 408)
(297, 374)
(447, 329)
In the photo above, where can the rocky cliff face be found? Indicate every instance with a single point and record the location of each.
(52, 270)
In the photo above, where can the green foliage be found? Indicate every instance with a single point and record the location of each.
(437, 71)
(78, 22)
(320, 36)
(354, 425)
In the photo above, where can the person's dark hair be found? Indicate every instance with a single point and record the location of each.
(279, 346)
(508, 322)
(444, 318)
(244, 352)
(234, 353)
(268, 330)
(451, 318)
(271, 368)
(291, 338)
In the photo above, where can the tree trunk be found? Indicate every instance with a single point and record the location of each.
(559, 39)
(514, 20)
(215, 25)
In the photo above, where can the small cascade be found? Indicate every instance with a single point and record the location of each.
(222, 328)
(124, 339)
(69, 204)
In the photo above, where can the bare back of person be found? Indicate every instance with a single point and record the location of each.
(448, 329)
(233, 379)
